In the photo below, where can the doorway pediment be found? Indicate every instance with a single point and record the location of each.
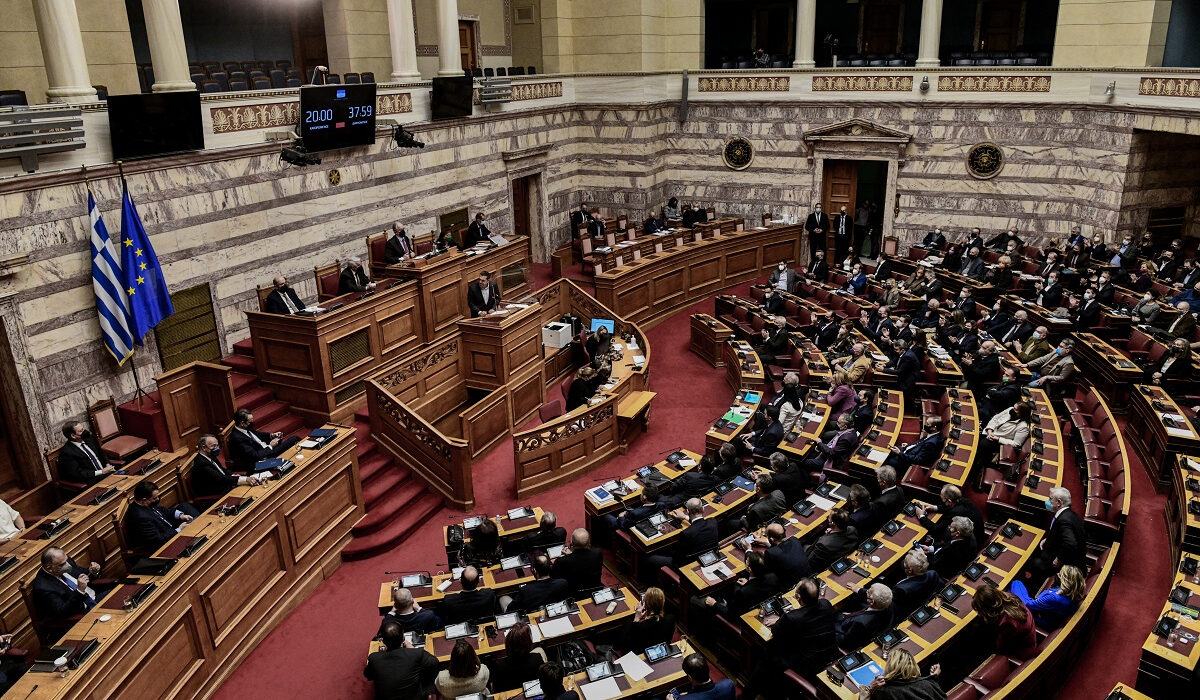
(855, 137)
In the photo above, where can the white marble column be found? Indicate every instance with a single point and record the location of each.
(806, 33)
(931, 35)
(403, 37)
(168, 54)
(62, 50)
(449, 51)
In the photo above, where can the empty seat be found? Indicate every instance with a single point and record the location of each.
(489, 73)
(295, 73)
(222, 79)
(352, 78)
(516, 70)
(877, 62)
(333, 79)
(985, 62)
(964, 62)
(1027, 61)
(239, 75)
(1008, 62)
(230, 66)
(249, 66)
(367, 76)
(198, 79)
(896, 62)
(842, 63)
(530, 70)
(857, 63)
(210, 86)
(238, 85)
(501, 70)
(283, 65)
(278, 79)
(261, 83)
(779, 64)
(745, 64)
(477, 72)
(293, 83)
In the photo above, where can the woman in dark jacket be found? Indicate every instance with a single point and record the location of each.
(902, 680)
(520, 662)
(1002, 276)
(1016, 633)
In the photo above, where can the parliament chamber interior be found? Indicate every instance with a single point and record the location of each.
(592, 349)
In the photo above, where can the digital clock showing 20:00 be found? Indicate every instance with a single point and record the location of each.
(337, 116)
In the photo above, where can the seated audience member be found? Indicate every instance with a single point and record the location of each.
(700, 535)
(582, 388)
(580, 564)
(1055, 368)
(770, 504)
(698, 481)
(1145, 278)
(982, 367)
(764, 441)
(1184, 324)
(1000, 397)
(483, 296)
(652, 225)
(209, 478)
(774, 341)
(748, 591)
(923, 451)
(1065, 542)
(1009, 427)
(783, 278)
(1175, 363)
(835, 451)
(465, 674)
(693, 215)
(81, 460)
(247, 446)
(471, 603)
(785, 556)
(854, 365)
(856, 282)
(409, 614)
(1085, 310)
(949, 559)
(484, 546)
(60, 589)
(841, 397)
(353, 279)
(864, 413)
(890, 500)
(1036, 346)
(773, 302)
(859, 507)
(400, 672)
(789, 402)
(857, 628)
(902, 680)
(651, 623)
(918, 585)
(906, 367)
(972, 265)
(802, 640)
(825, 331)
(1009, 619)
(954, 504)
(629, 517)
(284, 299)
(550, 678)
(11, 522)
(520, 662)
(730, 464)
(148, 525)
(543, 589)
(840, 539)
(548, 533)
(671, 210)
(975, 238)
(399, 246)
(1001, 276)
(445, 239)
(700, 683)
(934, 239)
(477, 232)
(1049, 292)
(1017, 329)
(818, 269)
(582, 217)
(1054, 606)
(599, 343)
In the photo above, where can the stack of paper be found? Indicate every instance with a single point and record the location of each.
(635, 669)
(603, 689)
(821, 502)
(876, 455)
(710, 572)
(556, 627)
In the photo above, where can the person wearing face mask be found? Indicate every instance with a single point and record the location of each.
(81, 461)
(1079, 258)
(1087, 315)
(1145, 277)
(1175, 363)
(998, 319)
(284, 299)
(972, 265)
(1064, 544)
(843, 232)
(966, 304)
(1076, 237)
(209, 478)
(856, 283)
(1167, 263)
(934, 240)
(922, 451)
(1190, 295)
(1106, 291)
(1098, 250)
(783, 278)
(353, 279)
(1055, 367)
(148, 526)
(816, 225)
(981, 368)
(1036, 346)
(248, 446)
(1125, 254)
(1049, 292)
(818, 269)
(975, 239)
(1148, 308)
(774, 341)
(1188, 275)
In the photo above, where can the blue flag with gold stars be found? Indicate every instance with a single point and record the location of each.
(149, 300)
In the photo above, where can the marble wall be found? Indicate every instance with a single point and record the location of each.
(1163, 171)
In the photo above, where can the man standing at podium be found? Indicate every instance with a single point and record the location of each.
(399, 246)
(483, 296)
(247, 446)
(284, 299)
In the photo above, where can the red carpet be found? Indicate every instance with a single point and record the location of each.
(320, 649)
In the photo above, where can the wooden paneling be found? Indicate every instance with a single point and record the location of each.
(526, 396)
(487, 422)
(176, 656)
(311, 520)
(196, 399)
(557, 454)
(260, 565)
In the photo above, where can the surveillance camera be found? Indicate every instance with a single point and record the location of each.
(297, 155)
(405, 138)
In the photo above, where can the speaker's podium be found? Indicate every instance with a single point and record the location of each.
(504, 348)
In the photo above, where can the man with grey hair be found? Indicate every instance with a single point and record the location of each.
(917, 586)
(409, 614)
(951, 558)
(399, 246)
(1065, 542)
(61, 588)
(954, 504)
(1184, 324)
(856, 629)
(353, 279)
(209, 478)
(890, 500)
(1055, 367)
(856, 364)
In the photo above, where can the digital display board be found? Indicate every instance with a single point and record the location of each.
(337, 116)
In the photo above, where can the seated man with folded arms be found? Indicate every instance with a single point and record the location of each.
(409, 615)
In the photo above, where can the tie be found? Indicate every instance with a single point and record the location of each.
(842, 226)
(74, 585)
(91, 455)
(255, 438)
(287, 301)
(404, 244)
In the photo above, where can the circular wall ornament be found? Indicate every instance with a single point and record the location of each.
(985, 160)
(335, 177)
(738, 153)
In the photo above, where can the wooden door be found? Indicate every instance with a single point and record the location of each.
(308, 38)
(520, 206)
(880, 28)
(466, 44)
(840, 188)
(1000, 25)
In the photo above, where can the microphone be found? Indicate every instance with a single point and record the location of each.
(389, 573)
(31, 692)
(677, 449)
(318, 69)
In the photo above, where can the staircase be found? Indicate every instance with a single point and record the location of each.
(270, 414)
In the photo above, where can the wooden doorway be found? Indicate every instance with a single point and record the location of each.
(308, 38)
(468, 43)
(840, 188)
(880, 26)
(527, 213)
(1000, 25)
(189, 334)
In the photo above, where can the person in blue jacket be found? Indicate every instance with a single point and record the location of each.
(1053, 606)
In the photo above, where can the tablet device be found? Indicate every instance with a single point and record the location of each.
(532, 690)
(951, 592)
(889, 639)
(604, 595)
(506, 620)
(599, 671)
(473, 522)
(518, 513)
(804, 509)
(709, 558)
(869, 546)
(852, 660)
(922, 615)
(1011, 530)
(462, 629)
(415, 580)
(975, 571)
(891, 527)
(994, 550)
(510, 563)
(841, 566)
(555, 551)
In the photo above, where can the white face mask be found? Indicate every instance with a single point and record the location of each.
(782, 268)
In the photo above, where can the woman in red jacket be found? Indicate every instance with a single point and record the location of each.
(1016, 634)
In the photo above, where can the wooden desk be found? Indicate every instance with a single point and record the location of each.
(813, 421)
(593, 507)
(709, 337)
(504, 350)
(1168, 667)
(1110, 369)
(715, 437)
(883, 433)
(1183, 526)
(965, 444)
(211, 609)
(1041, 316)
(743, 368)
(1124, 689)
(492, 577)
(647, 291)
(715, 508)
(509, 530)
(667, 674)
(1155, 443)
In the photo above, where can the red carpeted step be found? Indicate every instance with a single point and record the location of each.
(383, 487)
(397, 529)
(286, 424)
(244, 347)
(253, 398)
(241, 363)
(242, 382)
(363, 446)
(268, 412)
(362, 415)
(373, 465)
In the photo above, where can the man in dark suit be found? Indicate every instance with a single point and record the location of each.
(975, 239)
(843, 232)
(698, 481)
(748, 591)
(972, 265)
(1184, 324)
(934, 240)
(1106, 291)
(1050, 265)
(580, 564)
(1002, 239)
(981, 368)
(907, 369)
(1000, 397)
(477, 232)
(857, 628)
(209, 478)
(483, 296)
(1087, 313)
(699, 536)
(399, 246)
(284, 299)
(774, 341)
(825, 331)
(766, 440)
(548, 534)
(409, 615)
(966, 304)
(693, 215)
(543, 589)
(649, 505)
(701, 686)
(840, 539)
(1017, 330)
(471, 603)
(949, 559)
(353, 279)
(954, 504)
(81, 460)
(816, 225)
(783, 278)
(802, 640)
(1189, 274)
(890, 500)
(401, 671)
(818, 269)
(923, 451)
(770, 504)
(148, 525)
(1065, 542)
(60, 587)
(247, 446)
(1050, 292)
(579, 218)
(785, 556)
(918, 585)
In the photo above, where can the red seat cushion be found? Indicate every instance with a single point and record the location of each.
(123, 445)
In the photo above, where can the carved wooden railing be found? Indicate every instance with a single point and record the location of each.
(560, 450)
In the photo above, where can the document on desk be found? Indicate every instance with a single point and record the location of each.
(603, 689)
(556, 627)
(711, 575)
(635, 669)
(821, 502)
(1179, 432)
(876, 455)
(687, 462)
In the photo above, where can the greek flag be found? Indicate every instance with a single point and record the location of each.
(112, 305)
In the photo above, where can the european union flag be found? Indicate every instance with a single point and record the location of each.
(149, 300)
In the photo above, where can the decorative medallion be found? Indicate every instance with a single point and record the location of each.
(335, 177)
(985, 160)
(737, 153)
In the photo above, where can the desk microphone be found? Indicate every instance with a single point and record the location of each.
(389, 573)
(31, 691)
(677, 449)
